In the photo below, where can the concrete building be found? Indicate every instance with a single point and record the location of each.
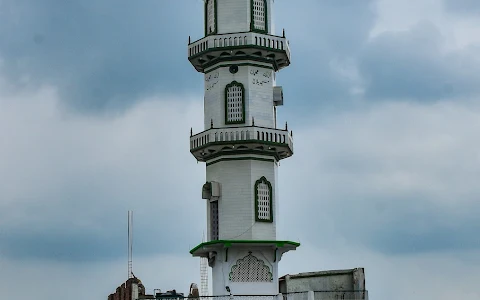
(132, 289)
(334, 284)
(241, 144)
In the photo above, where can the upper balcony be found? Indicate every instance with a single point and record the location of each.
(239, 46)
(241, 140)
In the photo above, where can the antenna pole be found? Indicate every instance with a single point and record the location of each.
(130, 244)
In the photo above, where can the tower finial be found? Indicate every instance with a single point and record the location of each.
(211, 123)
(286, 126)
(189, 40)
(191, 131)
(253, 121)
(283, 32)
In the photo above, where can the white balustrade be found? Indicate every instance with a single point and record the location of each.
(239, 39)
(250, 133)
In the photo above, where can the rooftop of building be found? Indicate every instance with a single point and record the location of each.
(320, 273)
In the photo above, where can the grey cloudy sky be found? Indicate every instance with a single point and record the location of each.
(96, 103)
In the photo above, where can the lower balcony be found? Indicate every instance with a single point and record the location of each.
(241, 140)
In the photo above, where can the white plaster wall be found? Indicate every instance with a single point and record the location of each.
(222, 269)
(271, 18)
(331, 282)
(265, 230)
(260, 96)
(215, 83)
(236, 205)
(258, 83)
(233, 16)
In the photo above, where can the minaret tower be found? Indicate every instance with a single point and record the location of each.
(241, 144)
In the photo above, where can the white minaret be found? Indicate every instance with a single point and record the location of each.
(241, 144)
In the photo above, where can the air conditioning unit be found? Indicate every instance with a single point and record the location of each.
(215, 189)
(277, 95)
(211, 191)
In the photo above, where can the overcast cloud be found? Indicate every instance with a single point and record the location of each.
(97, 99)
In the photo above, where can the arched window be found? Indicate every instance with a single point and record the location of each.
(259, 14)
(250, 269)
(234, 103)
(263, 200)
(210, 17)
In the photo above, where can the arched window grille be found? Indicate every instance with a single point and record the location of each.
(234, 103)
(250, 269)
(263, 200)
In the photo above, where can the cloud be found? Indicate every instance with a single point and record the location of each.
(397, 178)
(96, 109)
(95, 280)
(67, 181)
(463, 6)
(414, 65)
(319, 43)
(102, 56)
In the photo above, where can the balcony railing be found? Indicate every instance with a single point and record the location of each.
(318, 295)
(239, 39)
(247, 133)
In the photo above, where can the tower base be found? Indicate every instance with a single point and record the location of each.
(244, 267)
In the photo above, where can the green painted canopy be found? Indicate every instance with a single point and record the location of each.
(204, 248)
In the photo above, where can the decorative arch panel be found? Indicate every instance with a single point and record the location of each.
(250, 269)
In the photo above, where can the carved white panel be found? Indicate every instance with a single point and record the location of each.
(250, 269)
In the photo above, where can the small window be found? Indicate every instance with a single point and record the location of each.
(263, 200)
(210, 17)
(259, 15)
(234, 103)
(214, 231)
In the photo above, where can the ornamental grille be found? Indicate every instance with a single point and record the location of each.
(211, 16)
(259, 16)
(214, 232)
(250, 269)
(263, 194)
(235, 104)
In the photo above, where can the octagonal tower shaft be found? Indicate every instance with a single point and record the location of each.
(241, 144)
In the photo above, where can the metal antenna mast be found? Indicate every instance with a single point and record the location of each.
(130, 244)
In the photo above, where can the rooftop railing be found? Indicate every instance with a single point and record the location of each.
(315, 295)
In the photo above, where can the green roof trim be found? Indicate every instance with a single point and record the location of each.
(227, 243)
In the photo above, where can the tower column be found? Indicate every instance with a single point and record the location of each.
(241, 145)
